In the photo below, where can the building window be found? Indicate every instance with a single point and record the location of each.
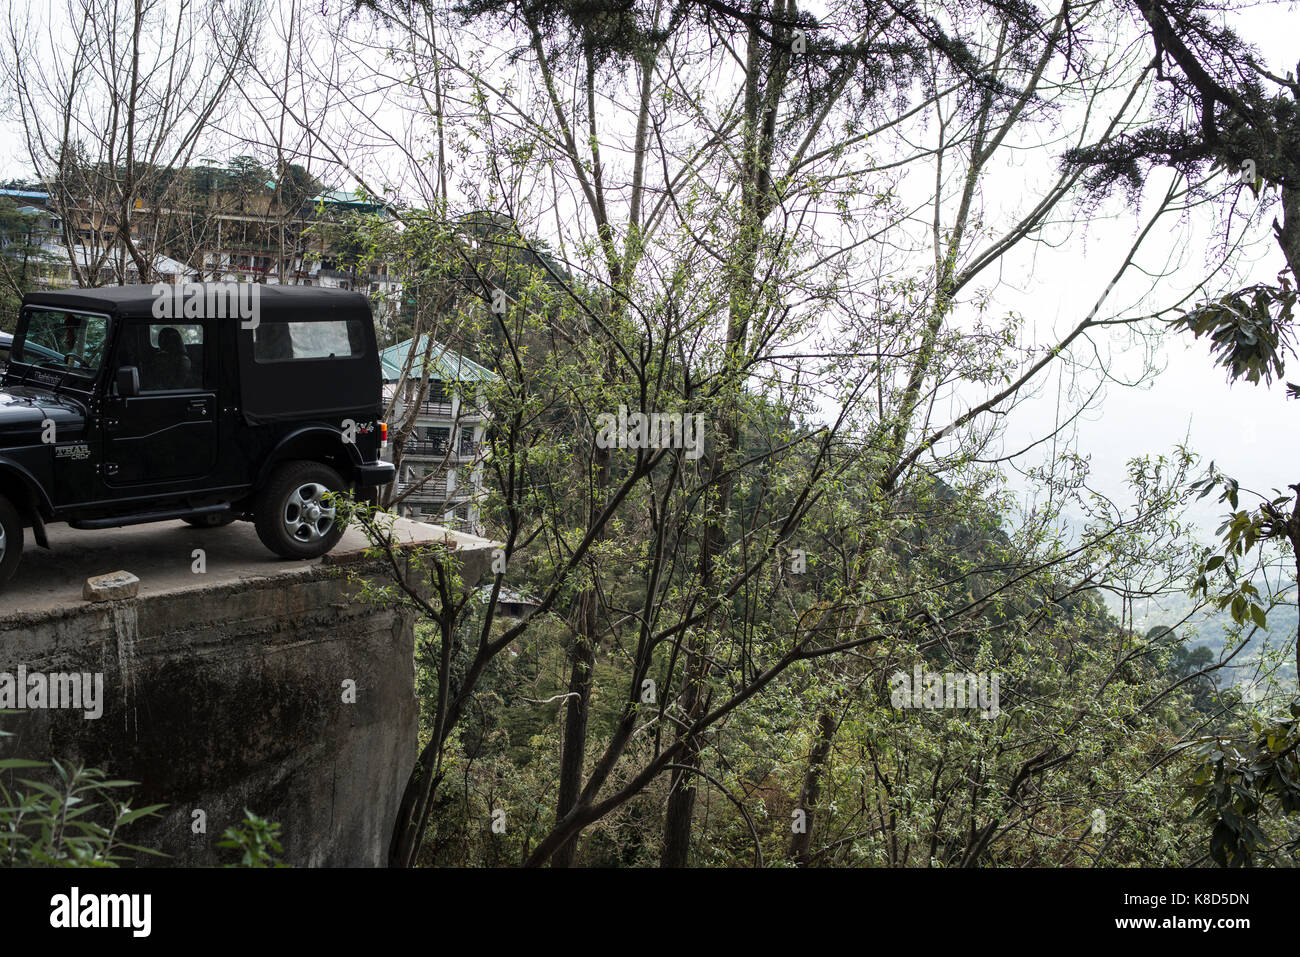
(437, 401)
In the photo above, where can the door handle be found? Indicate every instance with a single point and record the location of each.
(198, 405)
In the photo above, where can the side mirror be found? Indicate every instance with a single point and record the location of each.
(128, 381)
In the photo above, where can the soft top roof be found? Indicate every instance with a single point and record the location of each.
(301, 303)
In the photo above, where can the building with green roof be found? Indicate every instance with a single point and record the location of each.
(437, 439)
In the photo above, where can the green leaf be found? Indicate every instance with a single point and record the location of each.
(13, 764)
(136, 814)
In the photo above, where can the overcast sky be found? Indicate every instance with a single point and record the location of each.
(1251, 432)
(1248, 431)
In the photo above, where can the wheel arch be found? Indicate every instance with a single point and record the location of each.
(314, 444)
(20, 487)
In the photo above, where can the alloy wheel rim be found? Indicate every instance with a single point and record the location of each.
(307, 518)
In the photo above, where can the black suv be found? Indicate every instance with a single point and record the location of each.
(203, 402)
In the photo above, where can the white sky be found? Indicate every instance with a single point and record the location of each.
(1249, 431)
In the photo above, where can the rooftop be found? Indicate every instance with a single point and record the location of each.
(306, 302)
(25, 193)
(444, 365)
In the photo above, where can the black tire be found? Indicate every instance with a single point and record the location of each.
(11, 540)
(215, 520)
(284, 524)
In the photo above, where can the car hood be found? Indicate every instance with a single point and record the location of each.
(23, 409)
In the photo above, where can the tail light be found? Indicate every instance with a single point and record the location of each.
(383, 436)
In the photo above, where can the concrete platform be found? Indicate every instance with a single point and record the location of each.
(161, 555)
(272, 685)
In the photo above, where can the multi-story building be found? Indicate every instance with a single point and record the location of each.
(438, 443)
(224, 237)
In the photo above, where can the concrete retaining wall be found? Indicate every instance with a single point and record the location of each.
(236, 695)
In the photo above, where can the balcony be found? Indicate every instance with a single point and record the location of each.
(418, 447)
(435, 408)
(430, 491)
(434, 494)
(421, 448)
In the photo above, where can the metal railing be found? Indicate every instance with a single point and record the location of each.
(430, 492)
(435, 408)
(423, 447)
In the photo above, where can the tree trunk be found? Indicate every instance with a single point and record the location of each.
(1293, 535)
(1288, 234)
(582, 661)
(763, 91)
(801, 841)
(676, 850)
(576, 713)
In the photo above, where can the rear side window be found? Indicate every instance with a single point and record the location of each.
(291, 341)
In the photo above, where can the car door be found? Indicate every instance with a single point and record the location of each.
(167, 433)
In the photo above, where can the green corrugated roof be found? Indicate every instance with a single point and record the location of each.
(345, 197)
(444, 364)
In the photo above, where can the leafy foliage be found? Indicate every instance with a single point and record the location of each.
(74, 820)
(256, 839)
(1249, 330)
(1248, 791)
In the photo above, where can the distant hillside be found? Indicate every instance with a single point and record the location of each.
(1211, 628)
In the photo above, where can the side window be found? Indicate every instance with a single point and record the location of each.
(169, 356)
(74, 341)
(320, 339)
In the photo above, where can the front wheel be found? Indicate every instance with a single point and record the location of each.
(11, 540)
(292, 516)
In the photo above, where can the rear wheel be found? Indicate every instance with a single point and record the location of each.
(292, 516)
(215, 520)
(11, 540)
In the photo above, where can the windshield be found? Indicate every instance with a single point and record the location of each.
(70, 341)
